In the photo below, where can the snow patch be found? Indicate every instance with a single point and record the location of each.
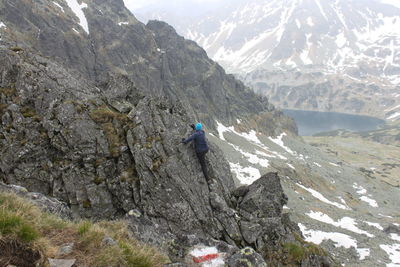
(251, 137)
(58, 5)
(320, 197)
(78, 10)
(395, 237)
(393, 116)
(370, 201)
(317, 237)
(123, 23)
(360, 190)
(291, 166)
(363, 253)
(304, 56)
(341, 40)
(246, 175)
(394, 253)
(334, 164)
(376, 225)
(310, 21)
(2, 25)
(75, 30)
(280, 143)
(344, 223)
(319, 165)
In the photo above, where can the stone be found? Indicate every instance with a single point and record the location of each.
(246, 257)
(65, 249)
(61, 263)
(108, 241)
(123, 106)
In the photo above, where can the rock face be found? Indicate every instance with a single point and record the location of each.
(155, 58)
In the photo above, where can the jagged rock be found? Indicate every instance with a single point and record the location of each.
(65, 249)
(246, 257)
(108, 241)
(61, 263)
(392, 229)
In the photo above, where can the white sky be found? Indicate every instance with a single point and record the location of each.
(136, 4)
(395, 3)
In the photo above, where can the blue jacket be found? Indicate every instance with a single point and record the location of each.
(200, 141)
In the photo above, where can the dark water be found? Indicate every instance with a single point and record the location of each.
(313, 122)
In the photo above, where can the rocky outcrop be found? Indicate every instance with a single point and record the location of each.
(112, 152)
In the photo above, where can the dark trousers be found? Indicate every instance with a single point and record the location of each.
(202, 159)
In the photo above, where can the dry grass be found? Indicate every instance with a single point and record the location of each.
(43, 234)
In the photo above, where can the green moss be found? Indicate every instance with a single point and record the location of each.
(86, 204)
(80, 107)
(298, 252)
(16, 49)
(129, 176)
(156, 164)
(7, 91)
(28, 112)
(98, 180)
(109, 119)
(295, 252)
(3, 108)
(104, 114)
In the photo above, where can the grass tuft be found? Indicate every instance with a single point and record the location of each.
(41, 233)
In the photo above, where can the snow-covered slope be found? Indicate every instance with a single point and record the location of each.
(336, 35)
(357, 40)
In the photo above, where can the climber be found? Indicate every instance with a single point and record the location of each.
(201, 147)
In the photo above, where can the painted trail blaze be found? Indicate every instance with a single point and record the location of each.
(205, 258)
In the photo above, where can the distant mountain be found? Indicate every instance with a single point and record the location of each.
(358, 40)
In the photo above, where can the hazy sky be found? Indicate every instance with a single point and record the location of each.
(136, 4)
